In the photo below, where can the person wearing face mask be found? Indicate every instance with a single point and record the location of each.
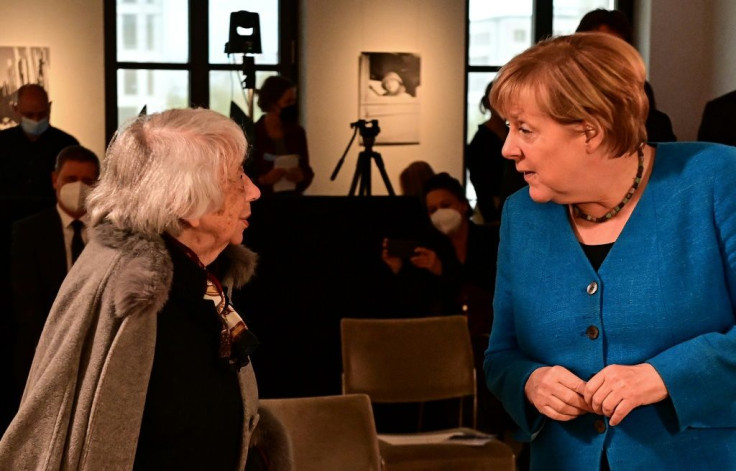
(28, 152)
(280, 158)
(460, 280)
(44, 247)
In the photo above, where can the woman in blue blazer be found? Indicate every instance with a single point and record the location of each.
(613, 344)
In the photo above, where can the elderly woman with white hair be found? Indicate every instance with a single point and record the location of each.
(143, 363)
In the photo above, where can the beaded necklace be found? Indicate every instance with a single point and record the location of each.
(615, 210)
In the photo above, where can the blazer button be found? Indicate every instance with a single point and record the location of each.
(600, 426)
(592, 332)
(592, 288)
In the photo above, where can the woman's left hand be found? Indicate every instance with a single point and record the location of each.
(427, 259)
(616, 390)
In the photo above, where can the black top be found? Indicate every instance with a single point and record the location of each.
(462, 287)
(26, 166)
(193, 416)
(478, 277)
(596, 253)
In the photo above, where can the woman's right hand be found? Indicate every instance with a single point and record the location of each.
(556, 393)
(272, 176)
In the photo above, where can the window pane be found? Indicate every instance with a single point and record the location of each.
(225, 87)
(499, 29)
(163, 89)
(219, 28)
(567, 13)
(152, 31)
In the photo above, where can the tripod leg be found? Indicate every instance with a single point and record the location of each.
(382, 169)
(365, 182)
(356, 176)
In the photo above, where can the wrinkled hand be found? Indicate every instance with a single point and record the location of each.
(274, 175)
(394, 263)
(616, 390)
(295, 175)
(427, 259)
(556, 393)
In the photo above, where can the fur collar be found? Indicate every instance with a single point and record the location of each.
(146, 270)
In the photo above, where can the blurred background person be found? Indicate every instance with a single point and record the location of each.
(719, 120)
(456, 273)
(44, 248)
(658, 124)
(493, 177)
(614, 334)
(28, 151)
(413, 178)
(280, 158)
(143, 363)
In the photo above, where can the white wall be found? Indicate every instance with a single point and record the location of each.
(692, 57)
(680, 61)
(723, 46)
(333, 34)
(73, 30)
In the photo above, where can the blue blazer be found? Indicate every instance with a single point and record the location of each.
(665, 296)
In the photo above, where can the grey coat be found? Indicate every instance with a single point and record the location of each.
(84, 400)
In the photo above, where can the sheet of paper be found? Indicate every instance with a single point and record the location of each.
(287, 162)
(446, 436)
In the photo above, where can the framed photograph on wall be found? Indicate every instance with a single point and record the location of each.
(20, 65)
(390, 92)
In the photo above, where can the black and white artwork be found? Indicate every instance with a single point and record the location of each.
(390, 92)
(20, 65)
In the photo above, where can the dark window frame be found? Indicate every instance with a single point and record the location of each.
(198, 65)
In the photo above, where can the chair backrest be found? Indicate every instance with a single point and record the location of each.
(408, 360)
(329, 433)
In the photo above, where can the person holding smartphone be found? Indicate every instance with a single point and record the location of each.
(454, 274)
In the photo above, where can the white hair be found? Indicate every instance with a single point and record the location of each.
(164, 167)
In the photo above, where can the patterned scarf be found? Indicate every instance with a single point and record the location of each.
(237, 342)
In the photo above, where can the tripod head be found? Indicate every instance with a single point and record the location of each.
(368, 133)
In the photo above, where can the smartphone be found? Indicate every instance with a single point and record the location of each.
(402, 248)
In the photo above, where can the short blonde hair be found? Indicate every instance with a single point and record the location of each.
(167, 166)
(585, 77)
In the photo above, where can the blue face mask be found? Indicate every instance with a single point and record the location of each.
(34, 128)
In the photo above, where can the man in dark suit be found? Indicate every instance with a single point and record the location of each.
(719, 120)
(44, 247)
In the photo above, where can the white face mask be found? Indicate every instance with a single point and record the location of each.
(447, 220)
(73, 195)
(34, 128)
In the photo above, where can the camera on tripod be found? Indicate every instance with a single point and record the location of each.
(362, 174)
(367, 132)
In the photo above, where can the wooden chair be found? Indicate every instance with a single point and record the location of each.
(419, 360)
(328, 433)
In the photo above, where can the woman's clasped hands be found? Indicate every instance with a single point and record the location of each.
(614, 391)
